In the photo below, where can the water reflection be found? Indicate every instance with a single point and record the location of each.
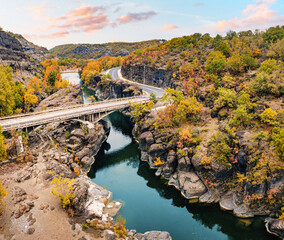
(149, 204)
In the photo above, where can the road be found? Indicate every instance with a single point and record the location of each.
(116, 74)
(61, 114)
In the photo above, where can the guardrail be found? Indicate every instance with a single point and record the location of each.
(84, 111)
(70, 107)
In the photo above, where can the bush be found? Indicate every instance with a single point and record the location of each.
(227, 98)
(63, 188)
(216, 62)
(221, 149)
(278, 141)
(3, 194)
(268, 116)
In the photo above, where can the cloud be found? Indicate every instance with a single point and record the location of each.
(37, 11)
(254, 15)
(169, 27)
(86, 18)
(135, 17)
(199, 4)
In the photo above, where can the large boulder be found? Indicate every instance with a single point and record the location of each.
(276, 227)
(157, 235)
(145, 140)
(59, 168)
(190, 185)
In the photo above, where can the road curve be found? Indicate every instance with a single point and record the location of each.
(116, 74)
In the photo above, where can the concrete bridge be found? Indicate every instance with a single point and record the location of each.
(91, 112)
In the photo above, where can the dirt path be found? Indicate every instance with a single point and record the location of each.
(30, 211)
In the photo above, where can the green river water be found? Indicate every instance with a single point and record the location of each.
(148, 203)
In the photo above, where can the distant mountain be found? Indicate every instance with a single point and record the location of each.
(94, 51)
(23, 56)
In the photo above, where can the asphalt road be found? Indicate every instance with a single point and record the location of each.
(116, 74)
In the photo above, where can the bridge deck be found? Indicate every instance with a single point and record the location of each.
(61, 114)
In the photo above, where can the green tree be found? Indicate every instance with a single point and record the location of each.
(227, 98)
(52, 78)
(216, 62)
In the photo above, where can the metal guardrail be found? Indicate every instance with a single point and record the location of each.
(32, 122)
(69, 107)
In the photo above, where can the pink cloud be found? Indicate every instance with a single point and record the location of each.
(37, 11)
(135, 17)
(169, 27)
(254, 15)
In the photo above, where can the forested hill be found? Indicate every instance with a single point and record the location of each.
(87, 51)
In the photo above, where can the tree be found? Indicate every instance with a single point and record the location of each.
(3, 152)
(29, 100)
(7, 97)
(172, 96)
(216, 62)
(223, 47)
(52, 78)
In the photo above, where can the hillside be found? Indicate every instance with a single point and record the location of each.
(21, 55)
(220, 136)
(87, 51)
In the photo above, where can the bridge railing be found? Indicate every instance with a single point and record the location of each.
(33, 122)
(71, 107)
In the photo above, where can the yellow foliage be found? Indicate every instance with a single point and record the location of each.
(63, 188)
(206, 161)
(3, 193)
(158, 162)
(119, 227)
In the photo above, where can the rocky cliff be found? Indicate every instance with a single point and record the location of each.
(200, 176)
(148, 75)
(12, 53)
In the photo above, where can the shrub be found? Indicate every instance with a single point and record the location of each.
(67, 135)
(63, 188)
(278, 141)
(3, 194)
(158, 162)
(222, 151)
(119, 227)
(227, 98)
(268, 116)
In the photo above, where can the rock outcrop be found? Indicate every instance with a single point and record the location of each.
(12, 53)
(148, 75)
(62, 98)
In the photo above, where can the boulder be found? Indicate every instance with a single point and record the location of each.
(84, 152)
(78, 133)
(190, 185)
(155, 235)
(58, 168)
(219, 171)
(80, 193)
(145, 140)
(275, 226)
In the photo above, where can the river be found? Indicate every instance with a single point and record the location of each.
(149, 204)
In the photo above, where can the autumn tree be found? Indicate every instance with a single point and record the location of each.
(7, 97)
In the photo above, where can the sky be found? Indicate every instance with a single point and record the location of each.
(54, 22)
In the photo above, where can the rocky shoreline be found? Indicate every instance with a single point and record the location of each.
(184, 170)
(64, 150)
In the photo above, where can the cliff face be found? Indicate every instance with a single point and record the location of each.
(13, 54)
(158, 77)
